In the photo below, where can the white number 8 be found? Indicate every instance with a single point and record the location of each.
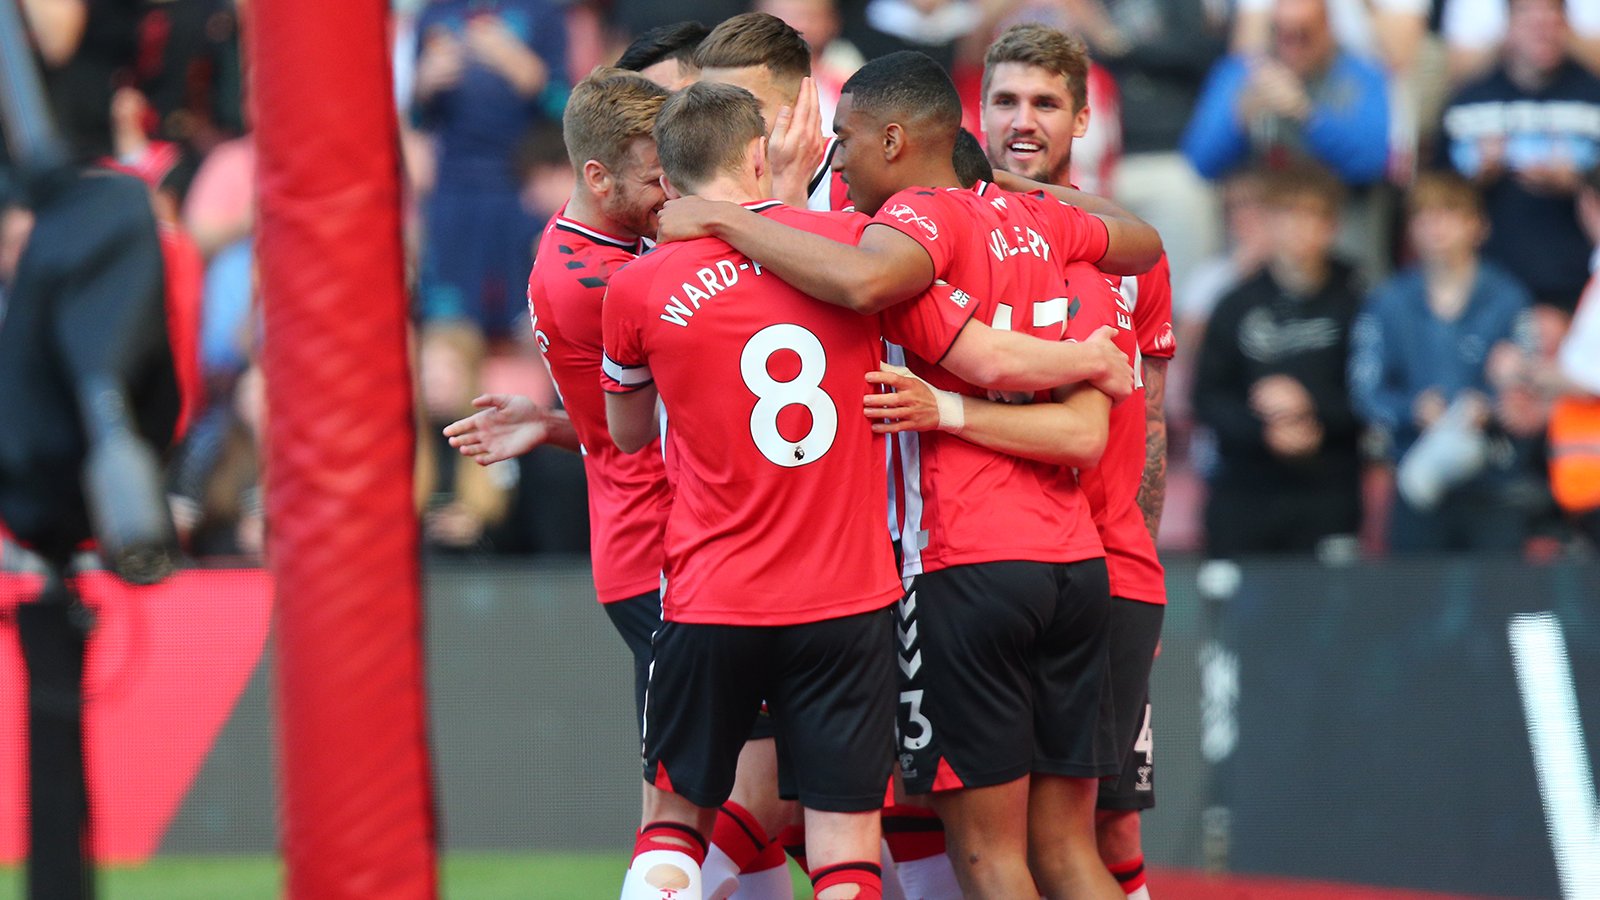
(772, 395)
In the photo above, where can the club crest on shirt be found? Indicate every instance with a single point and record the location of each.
(909, 216)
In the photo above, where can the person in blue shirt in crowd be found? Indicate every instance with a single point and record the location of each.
(487, 71)
(1421, 360)
(1306, 99)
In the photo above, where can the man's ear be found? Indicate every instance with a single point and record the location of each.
(666, 186)
(596, 177)
(1080, 122)
(894, 141)
(756, 153)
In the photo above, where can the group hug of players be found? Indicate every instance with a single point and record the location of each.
(777, 405)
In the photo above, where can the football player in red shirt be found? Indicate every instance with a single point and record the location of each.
(779, 581)
(896, 124)
(1035, 103)
(606, 126)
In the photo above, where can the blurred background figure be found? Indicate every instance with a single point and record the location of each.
(487, 71)
(1419, 374)
(1271, 386)
(1473, 32)
(1575, 419)
(460, 500)
(1524, 133)
(1303, 98)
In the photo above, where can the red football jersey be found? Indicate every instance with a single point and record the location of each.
(780, 500)
(1112, 487)
(963, 503)
(628, 493)
(1150, 297)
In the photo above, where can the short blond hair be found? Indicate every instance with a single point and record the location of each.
(606, 112)
(1055, 51)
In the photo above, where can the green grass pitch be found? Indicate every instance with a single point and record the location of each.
(465, 876)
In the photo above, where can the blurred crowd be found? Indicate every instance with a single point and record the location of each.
(1381, 218)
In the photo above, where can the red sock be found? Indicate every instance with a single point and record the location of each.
(868, 876)
(912, 832)
(738, 834)
(793, 839)
(770, 858)
(655, 837)
(1129, 873)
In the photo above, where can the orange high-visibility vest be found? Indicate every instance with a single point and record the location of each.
(1575, 453)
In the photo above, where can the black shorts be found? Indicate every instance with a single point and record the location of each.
(1135, 629)
(1003, 667)
(637, 619)
(829, 687)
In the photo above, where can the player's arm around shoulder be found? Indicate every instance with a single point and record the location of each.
(1071, 431)
(1013, 361)
(883, 270)
(1133, 245)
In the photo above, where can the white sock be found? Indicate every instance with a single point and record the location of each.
(929, 878)
(892, 889)
(1143, 893)
(662, 875)
(719, 874)
(767, 884)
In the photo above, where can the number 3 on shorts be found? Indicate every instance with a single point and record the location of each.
(772, 395)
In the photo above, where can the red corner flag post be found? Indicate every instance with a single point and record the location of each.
(357, 802)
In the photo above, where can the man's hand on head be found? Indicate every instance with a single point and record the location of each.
(796, 145)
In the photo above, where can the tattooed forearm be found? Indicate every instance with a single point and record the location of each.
(1153, 483)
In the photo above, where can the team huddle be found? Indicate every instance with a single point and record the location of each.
(874, 464)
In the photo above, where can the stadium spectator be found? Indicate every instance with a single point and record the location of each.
(637, 17)
(86, 49)
(1304, 99)
(934, 27)
(188, 66)
(1474, 30)
(1271, 386)
(1390, 33)
(487, 71)
(665, 54)
(1158, 55)
(1247, 239)
(1419, 377)
(460, 500)
(1575, 420)
(1524, 133)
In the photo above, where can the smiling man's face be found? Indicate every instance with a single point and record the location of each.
(1030, 120)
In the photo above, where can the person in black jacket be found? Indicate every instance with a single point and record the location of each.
(1271, 385)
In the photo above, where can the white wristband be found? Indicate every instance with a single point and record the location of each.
(952, 414)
